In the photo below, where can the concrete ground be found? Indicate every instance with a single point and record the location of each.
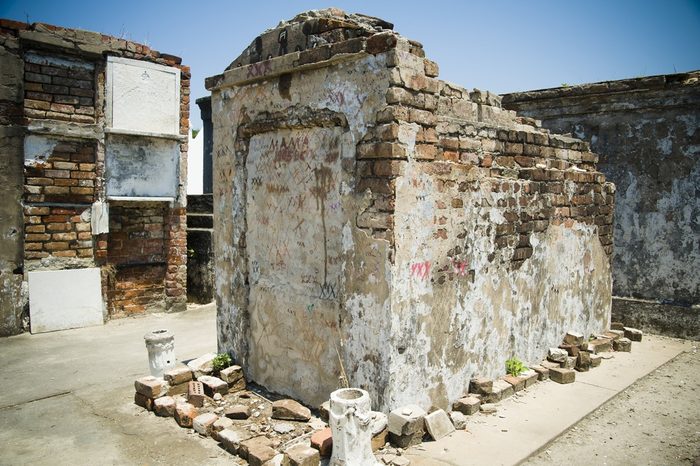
(526, 423)
(67, 398)
(655, 421)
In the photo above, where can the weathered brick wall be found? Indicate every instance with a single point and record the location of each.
(66, 176)
(136, 233)
(176, 273)
(365, 208)
(146, 249)
(494, 216)
(59, 100)
(57, 232)
(646, 132)
(136, 289)
(137, 256)
(58, 87)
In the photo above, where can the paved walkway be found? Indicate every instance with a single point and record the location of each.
(656, 421)
(528, 421)
(66, 398)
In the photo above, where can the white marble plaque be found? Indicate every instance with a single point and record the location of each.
(142, 96)
(63, 299)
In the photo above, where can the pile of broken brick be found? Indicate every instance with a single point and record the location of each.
(218, 405)
(284, 432)
(574, 354)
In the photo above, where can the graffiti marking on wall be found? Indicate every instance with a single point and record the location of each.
(420, 270)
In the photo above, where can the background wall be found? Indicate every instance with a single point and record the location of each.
(647, 132)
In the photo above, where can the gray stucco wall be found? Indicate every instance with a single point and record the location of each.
(647, 134)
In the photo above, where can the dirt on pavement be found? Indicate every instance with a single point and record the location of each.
(655, 421)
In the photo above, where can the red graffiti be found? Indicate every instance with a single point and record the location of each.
(259, 69)
(420, 269)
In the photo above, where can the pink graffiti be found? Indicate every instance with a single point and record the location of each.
(420, 270)
(258, 69)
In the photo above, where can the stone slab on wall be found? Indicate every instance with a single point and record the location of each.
(143, 97)
(142, 167)
(63, 299)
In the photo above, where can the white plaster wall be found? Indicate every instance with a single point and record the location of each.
(195, 163)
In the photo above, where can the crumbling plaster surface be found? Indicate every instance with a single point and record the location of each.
(313, 296)
(459, 309)
(647, 133)
(142, 167)
(413, 303)
(11, 180)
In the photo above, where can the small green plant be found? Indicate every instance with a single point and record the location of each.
(221, 361)
(515, 367)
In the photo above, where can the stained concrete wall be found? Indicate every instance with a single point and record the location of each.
(647, 132)
(11, 245)
(376, 224)
(11, 190)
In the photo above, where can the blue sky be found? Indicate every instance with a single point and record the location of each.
(497, 45)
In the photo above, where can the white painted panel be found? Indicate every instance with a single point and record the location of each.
(142, 167)
(63, 299)
(143, 96)
(195, 164)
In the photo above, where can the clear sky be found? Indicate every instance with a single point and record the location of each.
(497, 45)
